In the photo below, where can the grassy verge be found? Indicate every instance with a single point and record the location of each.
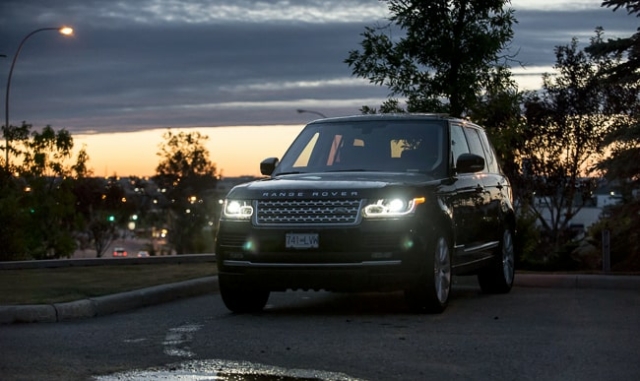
(56, 285)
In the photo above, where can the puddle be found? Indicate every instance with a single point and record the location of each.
(221, 370)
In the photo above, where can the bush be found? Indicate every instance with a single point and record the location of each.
(622, 221)
(538, 253)
(526, 241)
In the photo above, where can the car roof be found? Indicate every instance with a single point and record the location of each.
(398, 116)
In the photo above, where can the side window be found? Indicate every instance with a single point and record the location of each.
(475, 146)
(490, 154)
(458, 142)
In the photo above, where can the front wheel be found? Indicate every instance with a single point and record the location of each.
(498, 277)
(242, 299)
(431, 292)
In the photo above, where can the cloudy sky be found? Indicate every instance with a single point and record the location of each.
(135, 65)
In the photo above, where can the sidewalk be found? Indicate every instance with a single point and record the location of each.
(104, 305)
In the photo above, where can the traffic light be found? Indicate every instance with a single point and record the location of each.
(111, 218)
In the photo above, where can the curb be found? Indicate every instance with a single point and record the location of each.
(109, 304)
(57, 263)
(606, 282)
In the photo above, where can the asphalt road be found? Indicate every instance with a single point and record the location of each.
(529, 334)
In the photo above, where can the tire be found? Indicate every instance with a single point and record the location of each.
(431, 292)
(242, 299)
(498, 277)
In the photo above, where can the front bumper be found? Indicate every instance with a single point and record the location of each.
(372, 256)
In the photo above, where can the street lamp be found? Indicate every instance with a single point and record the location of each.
(62, 30)
(300, 111)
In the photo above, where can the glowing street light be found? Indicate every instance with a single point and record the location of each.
(300, 111)
(62, 30)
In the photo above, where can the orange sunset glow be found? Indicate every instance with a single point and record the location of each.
(235, 151)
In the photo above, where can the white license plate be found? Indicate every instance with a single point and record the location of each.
(302, 241)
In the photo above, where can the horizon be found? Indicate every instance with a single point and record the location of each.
(111, 154)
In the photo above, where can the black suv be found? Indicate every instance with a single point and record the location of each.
(371, 203)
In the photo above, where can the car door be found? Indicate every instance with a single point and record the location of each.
(498, 186)
(467, 204)
(488, 209)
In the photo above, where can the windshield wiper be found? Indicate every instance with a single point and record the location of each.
(288, 173)
(352, 170)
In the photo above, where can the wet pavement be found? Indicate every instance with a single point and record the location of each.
(220, 370)
(110, 304)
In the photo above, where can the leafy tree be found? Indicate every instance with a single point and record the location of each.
(43, 214)
(12, 220)
(565, 135)
(622, 165)
(186, 173)
(627, 71)
(97, 200)
(52, 220)
(16, 135)
(624, 73)
(102, 232)
(445, 49)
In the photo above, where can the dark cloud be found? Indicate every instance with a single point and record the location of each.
(153, 63)
(539, 32)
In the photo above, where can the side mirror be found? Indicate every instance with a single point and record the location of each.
(267, 166)
(469, 163)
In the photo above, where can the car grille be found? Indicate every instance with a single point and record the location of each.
(307, 212)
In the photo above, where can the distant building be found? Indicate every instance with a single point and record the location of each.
(591, 209)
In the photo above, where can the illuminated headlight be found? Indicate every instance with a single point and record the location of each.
(395, 207)
(237, 209)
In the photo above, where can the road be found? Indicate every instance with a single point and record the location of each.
(529, 334)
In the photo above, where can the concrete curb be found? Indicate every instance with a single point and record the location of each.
(57, 263)
(109, 304)
(613, 282)
(105, 305)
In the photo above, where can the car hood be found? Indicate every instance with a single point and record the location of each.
(331, 184)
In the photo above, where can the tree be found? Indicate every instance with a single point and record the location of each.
(627, 71)
(12, 220)
(566, 127)
(622, 165)
(96, 200)
(186, 172)
(40, 202)
(447, 49)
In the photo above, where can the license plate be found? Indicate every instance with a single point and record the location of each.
(302, 241)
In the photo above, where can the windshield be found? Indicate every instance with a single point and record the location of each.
(386, 145)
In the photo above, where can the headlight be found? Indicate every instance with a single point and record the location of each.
(395, 207)
(237, 209)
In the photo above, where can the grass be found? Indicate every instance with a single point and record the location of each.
(56, 285)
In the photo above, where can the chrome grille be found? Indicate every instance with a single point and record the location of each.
(307, 212)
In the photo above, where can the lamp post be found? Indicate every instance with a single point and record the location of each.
(62, 30)
(300, 111)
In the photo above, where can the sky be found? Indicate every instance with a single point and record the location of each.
(236, 71)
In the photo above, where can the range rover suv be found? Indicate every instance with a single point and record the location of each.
(371, 203)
